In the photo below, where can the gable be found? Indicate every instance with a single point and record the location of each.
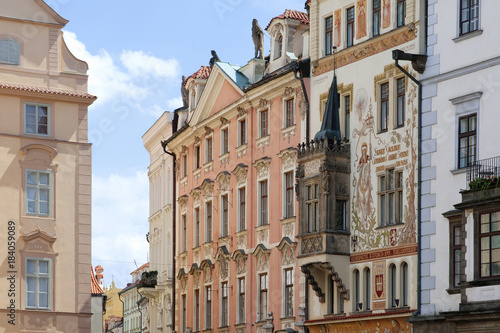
(32, 10)
(226, 96)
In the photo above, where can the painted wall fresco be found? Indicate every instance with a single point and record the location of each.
(361, 14)
(386, 21)
(338, 27)
(371, 154)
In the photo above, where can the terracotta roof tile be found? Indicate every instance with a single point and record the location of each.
(46, 91)
(95, 288)
(291, 14)
(138, 269)
(203, 73)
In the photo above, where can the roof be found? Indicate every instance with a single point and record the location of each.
(138, 269)
(95, 288)
(232, 72)
(46, 91)
(203, 73)
(291, 14)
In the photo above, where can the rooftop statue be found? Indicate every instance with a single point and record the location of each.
(184, 92)
(214, 59)
(258, 39)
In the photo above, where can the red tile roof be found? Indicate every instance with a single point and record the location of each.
(46, 91)
(95, 288)
(138, 269)
(291, 14)
(203, 73)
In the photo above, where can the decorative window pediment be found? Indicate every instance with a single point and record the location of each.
(262, 254)
(38, 242)
(208, 188)
(288, 158)
(240, 172)
(222, 257)
(223, 179)
(287, 248)
(196, 193)
(240, 257)
(183, 200)
(262, 166)
(207, 267)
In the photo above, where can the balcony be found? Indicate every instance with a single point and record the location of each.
(483, 183)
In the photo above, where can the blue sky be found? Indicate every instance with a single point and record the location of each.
(137, 53)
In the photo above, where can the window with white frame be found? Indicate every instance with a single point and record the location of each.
(38, 192)
(184, 166)
(328, 35)
(489, 245)
(289, 195)
(197, 157)
(393, 300)
(224, 148)
(242, 132)
(404, 284)
(263, 291)
(10, 51)
(357, 306)
(36, 119)
(288, 112)
(196, 310)
(241, 300)
(401, 12)
(208, 221)
(263, 202)
(278, 46)
(38, 283)
(224, 215)
(391, 197)
(224, 304)
(208, 149)
(183, 232)
(196, 227)
(263, 123)
(288, 292)
(208, 307)
(367, 289)
(241, 208)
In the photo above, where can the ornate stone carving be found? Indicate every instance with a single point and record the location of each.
(287, 256)
(197, 139)
(241, 111)
(183, 284)
(262, 166)
(262, 260)
(183, 200)
(312, 168)
(196, 194)
(264, 104)
(288, 157)
(312, 244)
(223, 179)
(208, 130)
(302, 106)
(241, 241)
(207, 274)
(241, 266)
(223, 268)
(196, 280)
(208, 188)
(341, 189)
(208, 251)
(224, 121)
(240, 172)
(289, 91)
(288, 230)
(184, 149)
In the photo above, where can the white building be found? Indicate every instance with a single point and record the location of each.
(460, 272)
(132, 300)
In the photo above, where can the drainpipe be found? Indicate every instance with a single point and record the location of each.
(123, 309)
(304, 68)
(139, 308)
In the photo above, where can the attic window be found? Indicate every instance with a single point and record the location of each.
(278, 46)
(9, 51)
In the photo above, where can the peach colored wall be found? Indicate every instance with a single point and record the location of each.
(230, 96)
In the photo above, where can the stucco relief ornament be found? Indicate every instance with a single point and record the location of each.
(183, 285)
(288, 256)
(196, 279)
(288, 228)
(223, 268)
(263, 262)
(207, 275)
(241, 266)
(208, 251)
(241, 111)
(262, 166)
(197, 139)
(264, 104)
(241, 241)
(184, 149)
(262, 236)
(223, 180)
(289, 91)
(224, 121)
(302, 106)
(208, 130)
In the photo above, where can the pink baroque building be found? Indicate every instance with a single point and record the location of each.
(235, 202)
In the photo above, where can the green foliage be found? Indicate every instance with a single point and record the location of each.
(484, 183)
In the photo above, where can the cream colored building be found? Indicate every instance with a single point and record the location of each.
(45, 174)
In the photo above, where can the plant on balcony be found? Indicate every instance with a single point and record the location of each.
(148, 279)
(484, 183)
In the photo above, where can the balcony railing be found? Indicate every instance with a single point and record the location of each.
(479, 172)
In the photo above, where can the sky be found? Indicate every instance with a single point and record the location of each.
(137, 53)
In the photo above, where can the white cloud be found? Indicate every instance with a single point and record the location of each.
(174, 103)
(140, 64)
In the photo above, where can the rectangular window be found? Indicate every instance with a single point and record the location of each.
(184, 312)
(208, 215)
(196, 227)
(196, 310)
(241, 300)
(356, 291)
(467, 140)
(36, 119)
(197, 161)
(376, 17)
(225, 304)
(312, 208)
(225, 141)
(469, 16)
(225, 216)
(341, 211)
(184, 166)
(242, 208)
(38, 291)
(38, 192)
(264, 123)
(347, 107)
(263, 203)
(489, 245)
(208, 307)
(263, 288)
(404, 284)
(456, 253)
(350, 26)
(391, 198)
(242, 132)
(208, 150)
(392, 283)
(289, 292)
(289, 120)
(328, 35)
(401, 12)
(289, 195)
(384, 106)
(400, 113)
(184, 233)
(367, 289)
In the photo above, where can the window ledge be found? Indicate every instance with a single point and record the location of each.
(335, 315)
(263, 141)
(288, 219)
(288, 131)
(184, 180)
(458, 171)
(481, 283)
(209, 166)
(390, 226)
(452, 291)
(224, 158)
(468, 36)
(241, 150)
(196, 173)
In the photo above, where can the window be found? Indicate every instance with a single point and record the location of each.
(225, 141)
(264, 123)
(467, 140)
(208, 150)
(391, 197)
(36, 119)
(242, 132)
(289, 120)
(341, 211)
(469, 16)
(367, 289)
(456, 254)
(38, 192)
(489, 245)
(263, 202)
(400, 113)
(331, 285)
(208, 307)
(312, 208)
(263, 286)
(38, 283)
(347, 107)
(196, 227)
(184, 233)
(350, 26)
(384, 106)
(401, 12)
(404, 284)
(328, 35)
(278, 46)
(208, 216)
(242, 208)
(241, 300)
(289, 195)
(394, 302)
(224, 216)
(196, 310)
(376, 17)
(197, 155)
(224, 304)
(184, 166)
(184, 312)
(288, 292)
(10, 52)
(357, 305)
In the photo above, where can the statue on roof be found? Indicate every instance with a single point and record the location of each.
(184, 92)
(258, 39)
(214, 59)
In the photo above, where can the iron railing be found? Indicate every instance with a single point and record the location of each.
(481, 169)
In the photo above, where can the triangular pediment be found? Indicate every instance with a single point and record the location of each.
(32, 10)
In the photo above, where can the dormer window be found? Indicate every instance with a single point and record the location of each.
(278, 46)
(9, 52)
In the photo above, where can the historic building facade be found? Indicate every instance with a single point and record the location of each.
(45, 168)
(357, 235)
(236, 213)
(135, 310)
(461, 209)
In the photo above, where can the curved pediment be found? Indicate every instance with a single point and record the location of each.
(39, 147)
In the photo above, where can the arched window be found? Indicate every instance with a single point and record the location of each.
(278, 46)
(404, 284)
(356, 306)
(9, 51)
(392, 286)
(367, 288)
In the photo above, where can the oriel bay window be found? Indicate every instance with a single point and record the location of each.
(489, 245)
(456, 250)
(312, 208)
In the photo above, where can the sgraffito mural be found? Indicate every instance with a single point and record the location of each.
(372, 153)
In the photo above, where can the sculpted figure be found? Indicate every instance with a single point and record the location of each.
(214, 59)
(258, 39)
(184, 92)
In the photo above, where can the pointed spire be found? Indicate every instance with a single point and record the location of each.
(330, 127)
